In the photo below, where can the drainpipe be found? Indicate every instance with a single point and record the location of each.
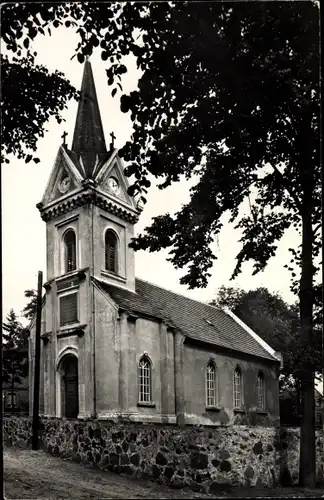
(93, 319)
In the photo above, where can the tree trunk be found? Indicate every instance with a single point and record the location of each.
(307, 460)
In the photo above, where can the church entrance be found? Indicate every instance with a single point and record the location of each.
(70, 386)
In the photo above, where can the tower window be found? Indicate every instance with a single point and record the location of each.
(111, 251)
(68, 309)
(211, 384)
(237, 388)
(261, 394)
(70, 250)
(144, 380)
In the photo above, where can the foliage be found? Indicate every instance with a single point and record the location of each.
(30, 93)
(29, 310)
(14, 349)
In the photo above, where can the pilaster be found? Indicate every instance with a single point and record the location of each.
(178, 378)
(123, 362)
(166, 370)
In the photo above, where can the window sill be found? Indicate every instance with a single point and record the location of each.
(147, 405)
(262, 412)
(72, 329)
(238, 410)
(115, 276)
(213, 408)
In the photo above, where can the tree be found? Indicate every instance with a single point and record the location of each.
(230, 94)
(15, 359)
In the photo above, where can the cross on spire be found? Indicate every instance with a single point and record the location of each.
(113, 137)
(63, 136)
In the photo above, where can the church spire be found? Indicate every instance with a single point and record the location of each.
(88, 138)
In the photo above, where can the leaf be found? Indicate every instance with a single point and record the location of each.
(26, 43)
(104, 55)
(80, 57)
(124, 103)
(28, 158)
(36, 160)
(113, 92)
(131, 190)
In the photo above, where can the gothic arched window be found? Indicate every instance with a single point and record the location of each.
(70, 250)
(261, 392)
(144, 380)
(111, 251)
(237, 388)
(211, 384)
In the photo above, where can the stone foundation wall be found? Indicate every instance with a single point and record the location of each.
(201, 458)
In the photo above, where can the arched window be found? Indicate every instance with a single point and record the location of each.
(211, 384)
(261, 393)
(237, 388)
(111, 251)
(70, 250)
(144, 380)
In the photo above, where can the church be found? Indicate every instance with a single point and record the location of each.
(113, 346)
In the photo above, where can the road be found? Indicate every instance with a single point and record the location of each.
(36, 475)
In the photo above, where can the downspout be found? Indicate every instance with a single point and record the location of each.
(93, 320)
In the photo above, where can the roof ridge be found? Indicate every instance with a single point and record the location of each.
(254, 335)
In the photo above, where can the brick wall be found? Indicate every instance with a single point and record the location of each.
(201, 458)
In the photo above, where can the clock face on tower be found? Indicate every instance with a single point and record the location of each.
(113, 185)
(64, 184)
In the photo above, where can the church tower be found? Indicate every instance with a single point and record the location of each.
(89, 224)
(88, 213)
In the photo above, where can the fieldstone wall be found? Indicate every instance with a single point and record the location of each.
(200, 458)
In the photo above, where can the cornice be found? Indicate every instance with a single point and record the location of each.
(84, 198)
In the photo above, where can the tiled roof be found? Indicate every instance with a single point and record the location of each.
(196, 320)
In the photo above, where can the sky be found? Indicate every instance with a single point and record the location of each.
(23, 231)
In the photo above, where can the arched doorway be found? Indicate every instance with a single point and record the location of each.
(69, 387)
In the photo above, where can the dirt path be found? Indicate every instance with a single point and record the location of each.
(36, 475)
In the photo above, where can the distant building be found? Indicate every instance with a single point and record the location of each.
(117, 346)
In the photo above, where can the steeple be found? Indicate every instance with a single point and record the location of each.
(88, 139)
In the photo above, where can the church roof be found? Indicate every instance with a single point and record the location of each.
(88, 146)
(196, 320)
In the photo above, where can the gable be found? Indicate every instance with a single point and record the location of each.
(114, 168)
(64, 178)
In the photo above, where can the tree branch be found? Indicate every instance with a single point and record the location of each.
(288, 187)
(316, 228)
